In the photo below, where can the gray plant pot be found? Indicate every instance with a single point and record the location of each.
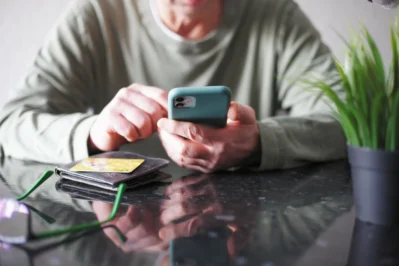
(369, 241)
(375, 178)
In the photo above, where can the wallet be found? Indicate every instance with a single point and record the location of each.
(147, 172)
(141, 194)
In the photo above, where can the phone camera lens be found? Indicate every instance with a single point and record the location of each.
(180, 105)
(179, 99)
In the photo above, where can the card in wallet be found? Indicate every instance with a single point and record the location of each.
(146, 173)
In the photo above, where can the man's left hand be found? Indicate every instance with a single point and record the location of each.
(207, 149)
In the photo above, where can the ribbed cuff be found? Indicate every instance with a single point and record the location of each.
(272, 149)
(79, 139)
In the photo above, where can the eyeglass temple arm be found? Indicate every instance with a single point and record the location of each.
(48, 219)
(41, 180)
(121, 189)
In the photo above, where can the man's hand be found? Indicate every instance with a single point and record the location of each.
(192, 205)
(131, 115)
(206, 149)
(139, 225)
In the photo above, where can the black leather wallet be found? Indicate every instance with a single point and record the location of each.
(147, 172)
(144, 193)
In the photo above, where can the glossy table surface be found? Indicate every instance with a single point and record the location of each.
(302, 216)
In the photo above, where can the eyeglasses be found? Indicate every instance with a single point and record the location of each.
(15, 218)
(15, 254)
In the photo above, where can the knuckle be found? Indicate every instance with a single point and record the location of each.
(140, 122)
(117, 103)
(181, 161)
(193, 132)
(162, 94)
(185, 151)
(122, 93)
(154, 111)
(211, 167)
(208, 170)
(183, 207)
(134, 86)
(125, 130)
(131, 133)
(144, 126)
(222, 149)
(110, 114)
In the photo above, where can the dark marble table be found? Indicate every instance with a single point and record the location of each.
(302, 216)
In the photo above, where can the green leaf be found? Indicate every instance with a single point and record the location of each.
(392, 132)
(350, 129)
(395, 60)
(375, 120)
(364, 133)
(345, 119)
(379, 67)
(359, 76)
(345, 82)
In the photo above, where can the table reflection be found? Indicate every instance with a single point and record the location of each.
(193, 213)
(233, 217)
(373, 245)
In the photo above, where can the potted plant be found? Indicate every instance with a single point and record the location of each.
(369, 116)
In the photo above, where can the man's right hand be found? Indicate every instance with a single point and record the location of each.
(131, 115)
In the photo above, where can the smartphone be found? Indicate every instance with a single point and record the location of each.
(201, 105)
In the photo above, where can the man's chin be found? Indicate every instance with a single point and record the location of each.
(193, 9)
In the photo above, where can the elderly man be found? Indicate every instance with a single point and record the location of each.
(76, 99)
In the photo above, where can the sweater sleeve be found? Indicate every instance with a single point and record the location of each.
(309, 132)
(47, 117)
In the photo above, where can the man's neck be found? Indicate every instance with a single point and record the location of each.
(191, 27)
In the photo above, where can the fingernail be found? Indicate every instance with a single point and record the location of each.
(161, 123)
(161, 233)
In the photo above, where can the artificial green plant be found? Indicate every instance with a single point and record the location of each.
(369, 111)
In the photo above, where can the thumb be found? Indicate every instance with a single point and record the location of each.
(233, 113)
(242, 114)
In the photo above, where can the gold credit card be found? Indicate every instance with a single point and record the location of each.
(107, 165)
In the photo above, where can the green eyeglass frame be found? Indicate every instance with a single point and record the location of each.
(76, 228)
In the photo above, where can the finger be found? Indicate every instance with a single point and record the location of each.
(157, 94)
(189, 195)
(233, 113)
(197, 133)
(243, 114)
(179, 211)
(102, 209)
(193, 162)
(189, 228)
(124, 128)
(186, 181)
(137, 117)
(130, 220)
(142, 243)
(148, 105)
(173, 231)
(179, 149)
(136, 233)
(150, 244)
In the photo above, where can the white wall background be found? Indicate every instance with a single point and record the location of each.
(24, 23)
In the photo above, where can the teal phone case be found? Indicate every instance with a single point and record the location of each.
(211, 105)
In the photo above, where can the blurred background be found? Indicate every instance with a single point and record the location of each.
(24, 24)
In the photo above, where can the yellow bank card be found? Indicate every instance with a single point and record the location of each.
(107, 165)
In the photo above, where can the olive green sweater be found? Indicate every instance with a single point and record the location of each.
(260, 50)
